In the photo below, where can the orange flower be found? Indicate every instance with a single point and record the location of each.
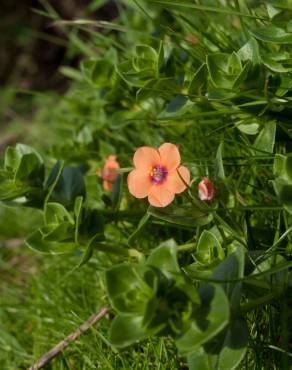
(156, 174)
(206, 189)
(109, 172)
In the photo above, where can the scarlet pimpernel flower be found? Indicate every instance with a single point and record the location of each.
(109, 172)
(158, 174)
(206, 189)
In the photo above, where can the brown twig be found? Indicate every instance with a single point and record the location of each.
(64, 343)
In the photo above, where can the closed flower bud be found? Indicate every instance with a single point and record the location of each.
(206, 189)
(109, 172)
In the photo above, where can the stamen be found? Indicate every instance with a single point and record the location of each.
(158, 174)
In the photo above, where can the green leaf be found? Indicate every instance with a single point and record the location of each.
(266, 139)
(113, 249)
(250, 51)
(283, 189)
(164, 258)
(53, 175)
(70, 72)
(210, 319)
(234, 346)
(225, 352)
(140, 226)
(248, 128)
(29, 168)
(97, 72)
(219, 168)
(201, 360)
(280, 168)
(184, 215)
(145, 58)
(275, 66)
(70, 185)
(234, 63)
(142, 67)
(9, 190)
(92, 223)
(126, 71)
(126, 330)
(217, 67)
(160, 56)
(78, 215)
(36, 242)
(224, 69)
(87, 254)
(220, 95)
(288, 167)
(198, 81)
(229, 269)
(13, 156)
(25, 162)
(57, 233)
(272, 11)
(90, 249)
(208, 249)
(242, 76)
(176, 105)
(127, 291)
(11, 159)
(55, 213)
(272, 34)
(162, 87)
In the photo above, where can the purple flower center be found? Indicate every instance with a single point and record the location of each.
(158, 174)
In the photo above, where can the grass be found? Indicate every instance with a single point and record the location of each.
(46, 297)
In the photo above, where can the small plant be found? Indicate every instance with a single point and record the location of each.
(208, 86)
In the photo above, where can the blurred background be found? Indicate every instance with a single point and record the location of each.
(34, 44)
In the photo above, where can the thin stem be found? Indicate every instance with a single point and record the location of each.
(186, 247)
(44, 360)
(260, 301)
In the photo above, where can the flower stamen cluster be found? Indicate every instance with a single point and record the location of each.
(158, 174)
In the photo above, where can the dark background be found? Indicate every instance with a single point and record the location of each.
(32, 47)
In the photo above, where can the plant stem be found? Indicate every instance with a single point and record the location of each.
(260, 301)
(186, 247)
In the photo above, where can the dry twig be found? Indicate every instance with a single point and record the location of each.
(64, 343)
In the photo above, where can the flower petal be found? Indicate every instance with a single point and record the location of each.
(139, 183)
(111, 162)
(174, 183)
(170, 157)
(107, 185)
(160, 196)
(146, 158)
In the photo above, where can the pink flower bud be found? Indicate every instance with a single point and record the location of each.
(109, 172)
(206, 189)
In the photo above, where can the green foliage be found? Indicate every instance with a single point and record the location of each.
(155, 298)
(210, 278)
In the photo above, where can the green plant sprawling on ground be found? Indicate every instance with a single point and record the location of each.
(202, 283)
